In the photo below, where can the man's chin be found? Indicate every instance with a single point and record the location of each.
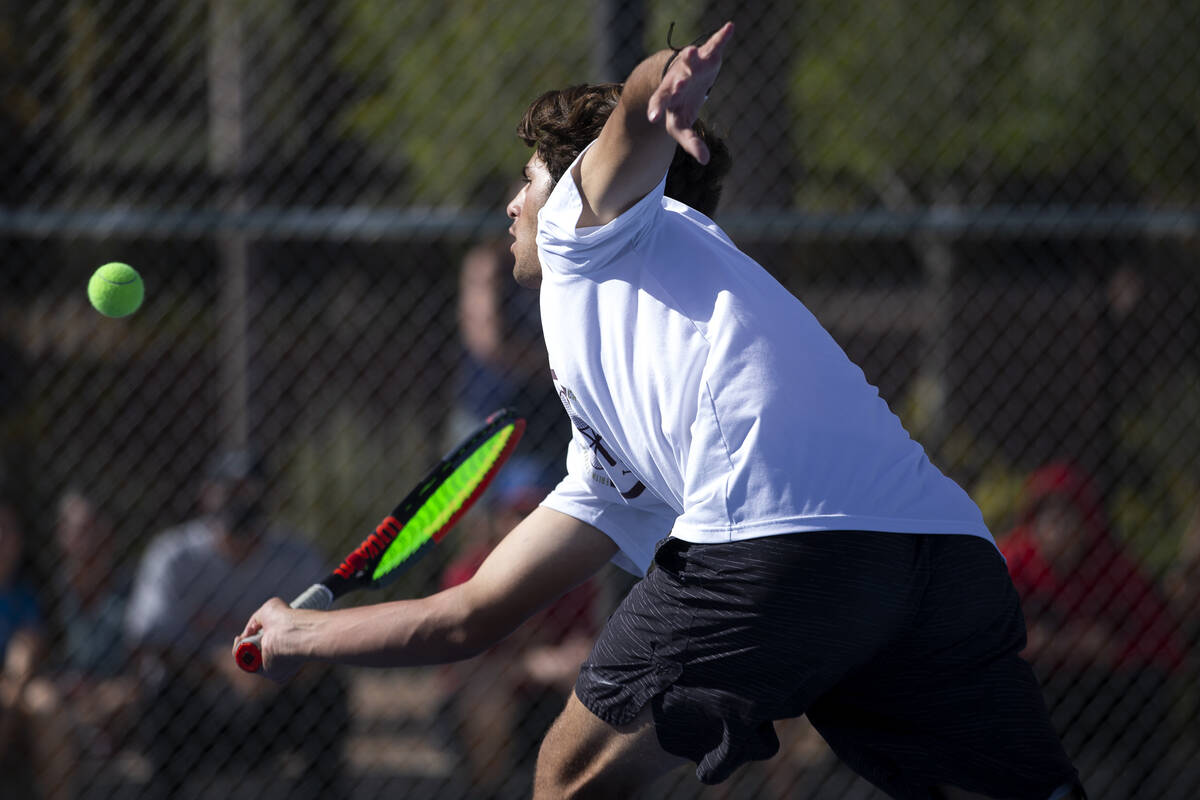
(528, 278)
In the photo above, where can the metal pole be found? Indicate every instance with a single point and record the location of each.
(620, 31)
(229, 160)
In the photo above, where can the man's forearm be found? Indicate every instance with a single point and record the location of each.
(432, 630)
(544, 556)
(632, 154)
(635, 96)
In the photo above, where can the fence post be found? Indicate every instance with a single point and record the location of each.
(230, 160)
(620, 29)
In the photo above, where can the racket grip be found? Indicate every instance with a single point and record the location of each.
(248, 653)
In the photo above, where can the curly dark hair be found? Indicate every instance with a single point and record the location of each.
(560, 123)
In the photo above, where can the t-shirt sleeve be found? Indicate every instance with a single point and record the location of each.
(634, 526)
(564, 248)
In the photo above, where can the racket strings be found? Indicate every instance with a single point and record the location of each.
(454, 489)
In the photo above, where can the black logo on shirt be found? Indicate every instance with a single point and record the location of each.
(606, 468)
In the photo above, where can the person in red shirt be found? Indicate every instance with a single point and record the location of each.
(1100, 635)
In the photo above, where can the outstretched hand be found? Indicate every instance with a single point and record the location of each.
(273, 620)
(683, 89)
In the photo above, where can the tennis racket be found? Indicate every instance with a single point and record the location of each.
(420, 520)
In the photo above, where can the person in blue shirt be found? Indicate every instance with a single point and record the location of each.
(94, 671)
(37, 753)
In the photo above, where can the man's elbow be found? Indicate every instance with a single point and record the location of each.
(479, 625)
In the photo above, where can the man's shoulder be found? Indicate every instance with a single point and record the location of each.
(682, 222)
(193, 537)
(194, 532)
(588, 247)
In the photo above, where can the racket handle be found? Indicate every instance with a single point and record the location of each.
(248, 654)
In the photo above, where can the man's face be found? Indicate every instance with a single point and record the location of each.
(81, 531)
(237, 506)
(523, 210)
(1059, 530)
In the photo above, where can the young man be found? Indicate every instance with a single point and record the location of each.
(815, 561)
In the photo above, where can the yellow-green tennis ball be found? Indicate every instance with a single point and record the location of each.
(116, 290)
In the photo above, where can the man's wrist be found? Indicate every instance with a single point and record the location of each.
(305, 637)
(670, 60)
(675, 51)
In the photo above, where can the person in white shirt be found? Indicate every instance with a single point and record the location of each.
(194, 584)
(800, 553)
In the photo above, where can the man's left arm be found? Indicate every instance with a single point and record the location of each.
(659, 104)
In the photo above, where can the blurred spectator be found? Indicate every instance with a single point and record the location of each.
(95, 677)
(36, 754)
(1101, 637)
(503, 701)
(1183, 584)
(196, 585)
(1183, 593)
(505, 362)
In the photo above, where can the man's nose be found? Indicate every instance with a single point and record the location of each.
(514, 205)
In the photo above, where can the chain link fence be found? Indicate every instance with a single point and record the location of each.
(991, 205)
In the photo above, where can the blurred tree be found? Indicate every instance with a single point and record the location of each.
(131, 105)
(912, 105)
(442, 86)
(22, 110)
(903, 98)
(750, 106)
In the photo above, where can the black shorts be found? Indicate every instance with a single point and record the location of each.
(902, 649)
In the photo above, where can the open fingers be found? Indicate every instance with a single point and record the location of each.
(254, 624)
(252, 627)
(679, 109)
(684, 88)
(715, 44)
(688, 139)
(667, 96)
(704, 61)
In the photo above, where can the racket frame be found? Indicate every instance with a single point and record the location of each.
(357, 570)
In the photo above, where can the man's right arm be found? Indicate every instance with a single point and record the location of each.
(660, 101)
(545, 556)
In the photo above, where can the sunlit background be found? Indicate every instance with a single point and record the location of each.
(993, 206)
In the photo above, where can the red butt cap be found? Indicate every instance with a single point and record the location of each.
(249, 657)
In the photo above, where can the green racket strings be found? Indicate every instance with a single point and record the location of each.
(445, 502)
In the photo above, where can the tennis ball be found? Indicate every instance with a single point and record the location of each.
(116, 290)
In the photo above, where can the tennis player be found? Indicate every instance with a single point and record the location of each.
(801, 554)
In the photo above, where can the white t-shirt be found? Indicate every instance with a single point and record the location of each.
(708, 403)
